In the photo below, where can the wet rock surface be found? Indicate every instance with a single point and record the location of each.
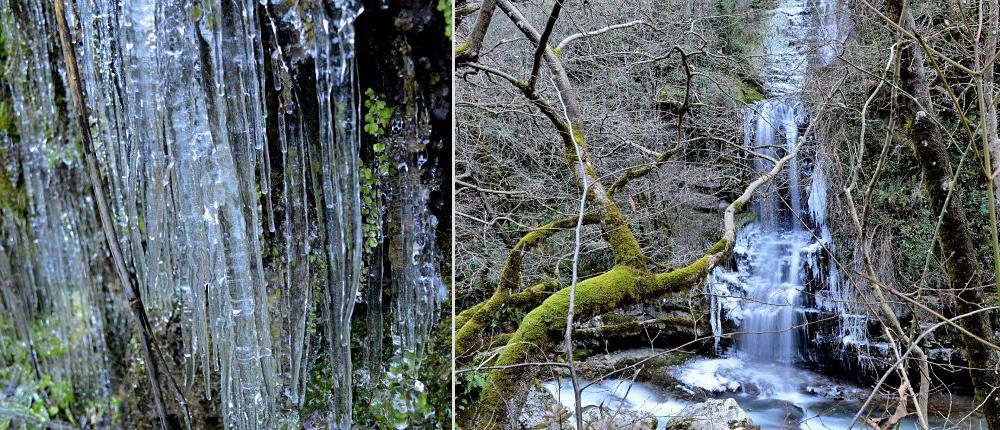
(713, 414)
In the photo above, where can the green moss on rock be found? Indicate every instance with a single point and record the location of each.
(746, 93)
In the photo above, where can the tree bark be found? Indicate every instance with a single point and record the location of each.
(961, 262)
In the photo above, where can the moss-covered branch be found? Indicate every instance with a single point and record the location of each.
(638, 172)
(470, 323)
(533, 296)
(617, 288)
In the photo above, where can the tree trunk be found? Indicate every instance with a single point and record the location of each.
(961, 263)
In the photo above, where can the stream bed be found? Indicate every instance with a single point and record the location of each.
(775, 396)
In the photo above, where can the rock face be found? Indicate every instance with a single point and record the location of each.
(543, 412)
(714, 414)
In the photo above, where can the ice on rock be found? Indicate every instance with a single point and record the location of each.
(709, 375)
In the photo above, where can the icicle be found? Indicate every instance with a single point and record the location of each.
(374, 322)
(297, 297)
(174, 146)
(417, 285)
(715, 319)
(46, 282)
(176, 91)
(339, 140)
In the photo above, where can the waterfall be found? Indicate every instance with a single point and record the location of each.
(786, 244)
(243, 229)
(771, 328)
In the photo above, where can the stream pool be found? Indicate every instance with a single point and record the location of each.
(775, 396)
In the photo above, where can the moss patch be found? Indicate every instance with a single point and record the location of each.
(746, 93)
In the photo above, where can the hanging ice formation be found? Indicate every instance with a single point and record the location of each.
(245, 227)
(47, 256)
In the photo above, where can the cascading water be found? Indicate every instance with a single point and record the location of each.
(241, 222)
(789, 244)
(771, 266)
(778, 253)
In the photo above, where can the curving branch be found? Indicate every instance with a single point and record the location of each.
(638, 172)
(599, 31)
(471, 323)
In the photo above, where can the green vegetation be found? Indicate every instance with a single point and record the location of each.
(401, 398)
(444, 6)
(45, 398)
(745, 93)
(372, 197)
(378, 115)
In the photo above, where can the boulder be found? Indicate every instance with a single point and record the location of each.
(713, 414)
(544, 412)
(604, 418)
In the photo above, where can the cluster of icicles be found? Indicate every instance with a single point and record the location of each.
(176, 94)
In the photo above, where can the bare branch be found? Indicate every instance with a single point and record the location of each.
(577, 36)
